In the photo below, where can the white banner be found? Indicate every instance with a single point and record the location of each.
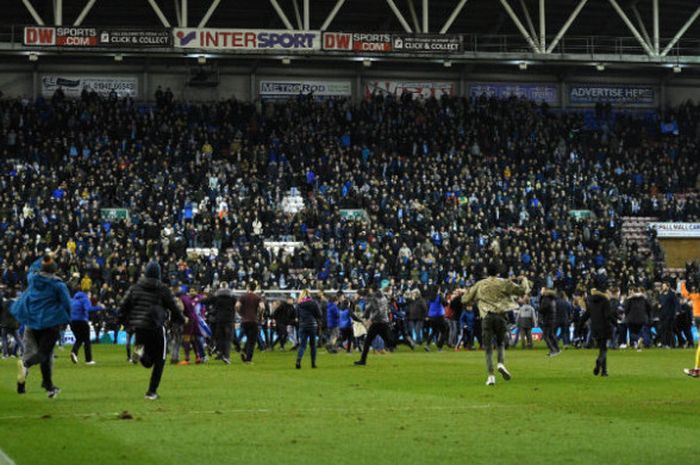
(676, 229)
(72, 86)
(246, 39)
(291, 88)
(425, 89)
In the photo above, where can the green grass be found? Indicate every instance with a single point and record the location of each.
(408, 408)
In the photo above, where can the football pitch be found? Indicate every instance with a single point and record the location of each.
(402, 408)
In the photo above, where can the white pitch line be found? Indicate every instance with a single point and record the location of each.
(5, 459)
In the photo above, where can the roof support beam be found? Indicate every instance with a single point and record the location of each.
(414, 16)
(682, 31)
(307, 15)
(32, 11)
(657, 42)
(453, 16)
(297, 14)
(566, 25)
(183, 13)
(520, 26)
(210, 11)
(425, 16)
(332, 14)
(84, 12)
(399, 16)
(159, 13)
(58, 12)
(642, 27)
(528, 19)
(543, 26)
(631, 27)
(178, 16)
(281, 14)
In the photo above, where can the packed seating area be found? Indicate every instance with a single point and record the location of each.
(448, 186)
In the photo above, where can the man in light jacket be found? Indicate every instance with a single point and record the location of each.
(42, 308)
(494, 297)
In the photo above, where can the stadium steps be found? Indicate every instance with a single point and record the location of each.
(634, 231)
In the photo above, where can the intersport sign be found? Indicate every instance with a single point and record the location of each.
(246, 39)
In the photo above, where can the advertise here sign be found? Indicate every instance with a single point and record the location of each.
(417, 89)
(589, 94)
(427, 43)
(357, 42)
(246, 39)
(72, 86)
(291, 88)
(676, 230)
(548, 93)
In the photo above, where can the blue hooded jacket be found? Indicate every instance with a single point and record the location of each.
(436, 308)
(345, 319)
(332, 315)
(80, 306)
(45, 303)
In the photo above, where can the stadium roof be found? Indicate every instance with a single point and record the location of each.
(597, 18)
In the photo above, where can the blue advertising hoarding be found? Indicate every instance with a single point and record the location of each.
(537, 92)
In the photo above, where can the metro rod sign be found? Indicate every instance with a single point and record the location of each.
(286, 89)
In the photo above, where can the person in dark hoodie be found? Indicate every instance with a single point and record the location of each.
(548, 319)
(600, 312)
(145, 308)
(42, 308)
(637, 318)
(377, 311)
(80, 308)
(668, 301)
(222, 308)
(283, 315)
(309, 315)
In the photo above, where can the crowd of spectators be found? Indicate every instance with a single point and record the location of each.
(448, 186)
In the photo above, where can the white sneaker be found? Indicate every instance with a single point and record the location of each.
(504, 371)
(623, 346)
(91, 362)
(73, 357)
(136, 354)
(491, 380)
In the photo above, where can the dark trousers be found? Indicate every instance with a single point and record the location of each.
(602, 359)
(347, 336)
(223, 335)
(282, 335)
(39, 344)
(81, 331)
(377, 329)
(549, 338)
(307, 334)
(494, 328)
(666, 330)
(440, 331)
(154, 345)
(525, 335)
(564, 332)
(250, 330)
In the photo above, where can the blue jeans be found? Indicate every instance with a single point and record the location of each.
(307, 334)
(415, 329)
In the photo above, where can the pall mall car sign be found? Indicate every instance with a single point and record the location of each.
(246, 39)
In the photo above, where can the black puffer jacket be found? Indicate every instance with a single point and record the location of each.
(222, 306)
(309, 314)
(548, 309)
(146, 305)
(637, 310)
(600, 312)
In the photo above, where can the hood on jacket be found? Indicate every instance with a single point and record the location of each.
(149, 283)
(598, 295)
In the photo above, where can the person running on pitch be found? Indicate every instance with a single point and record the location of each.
(145, 308)
(80, 325)
(494, 296)
(42, 308)
(377, 311)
